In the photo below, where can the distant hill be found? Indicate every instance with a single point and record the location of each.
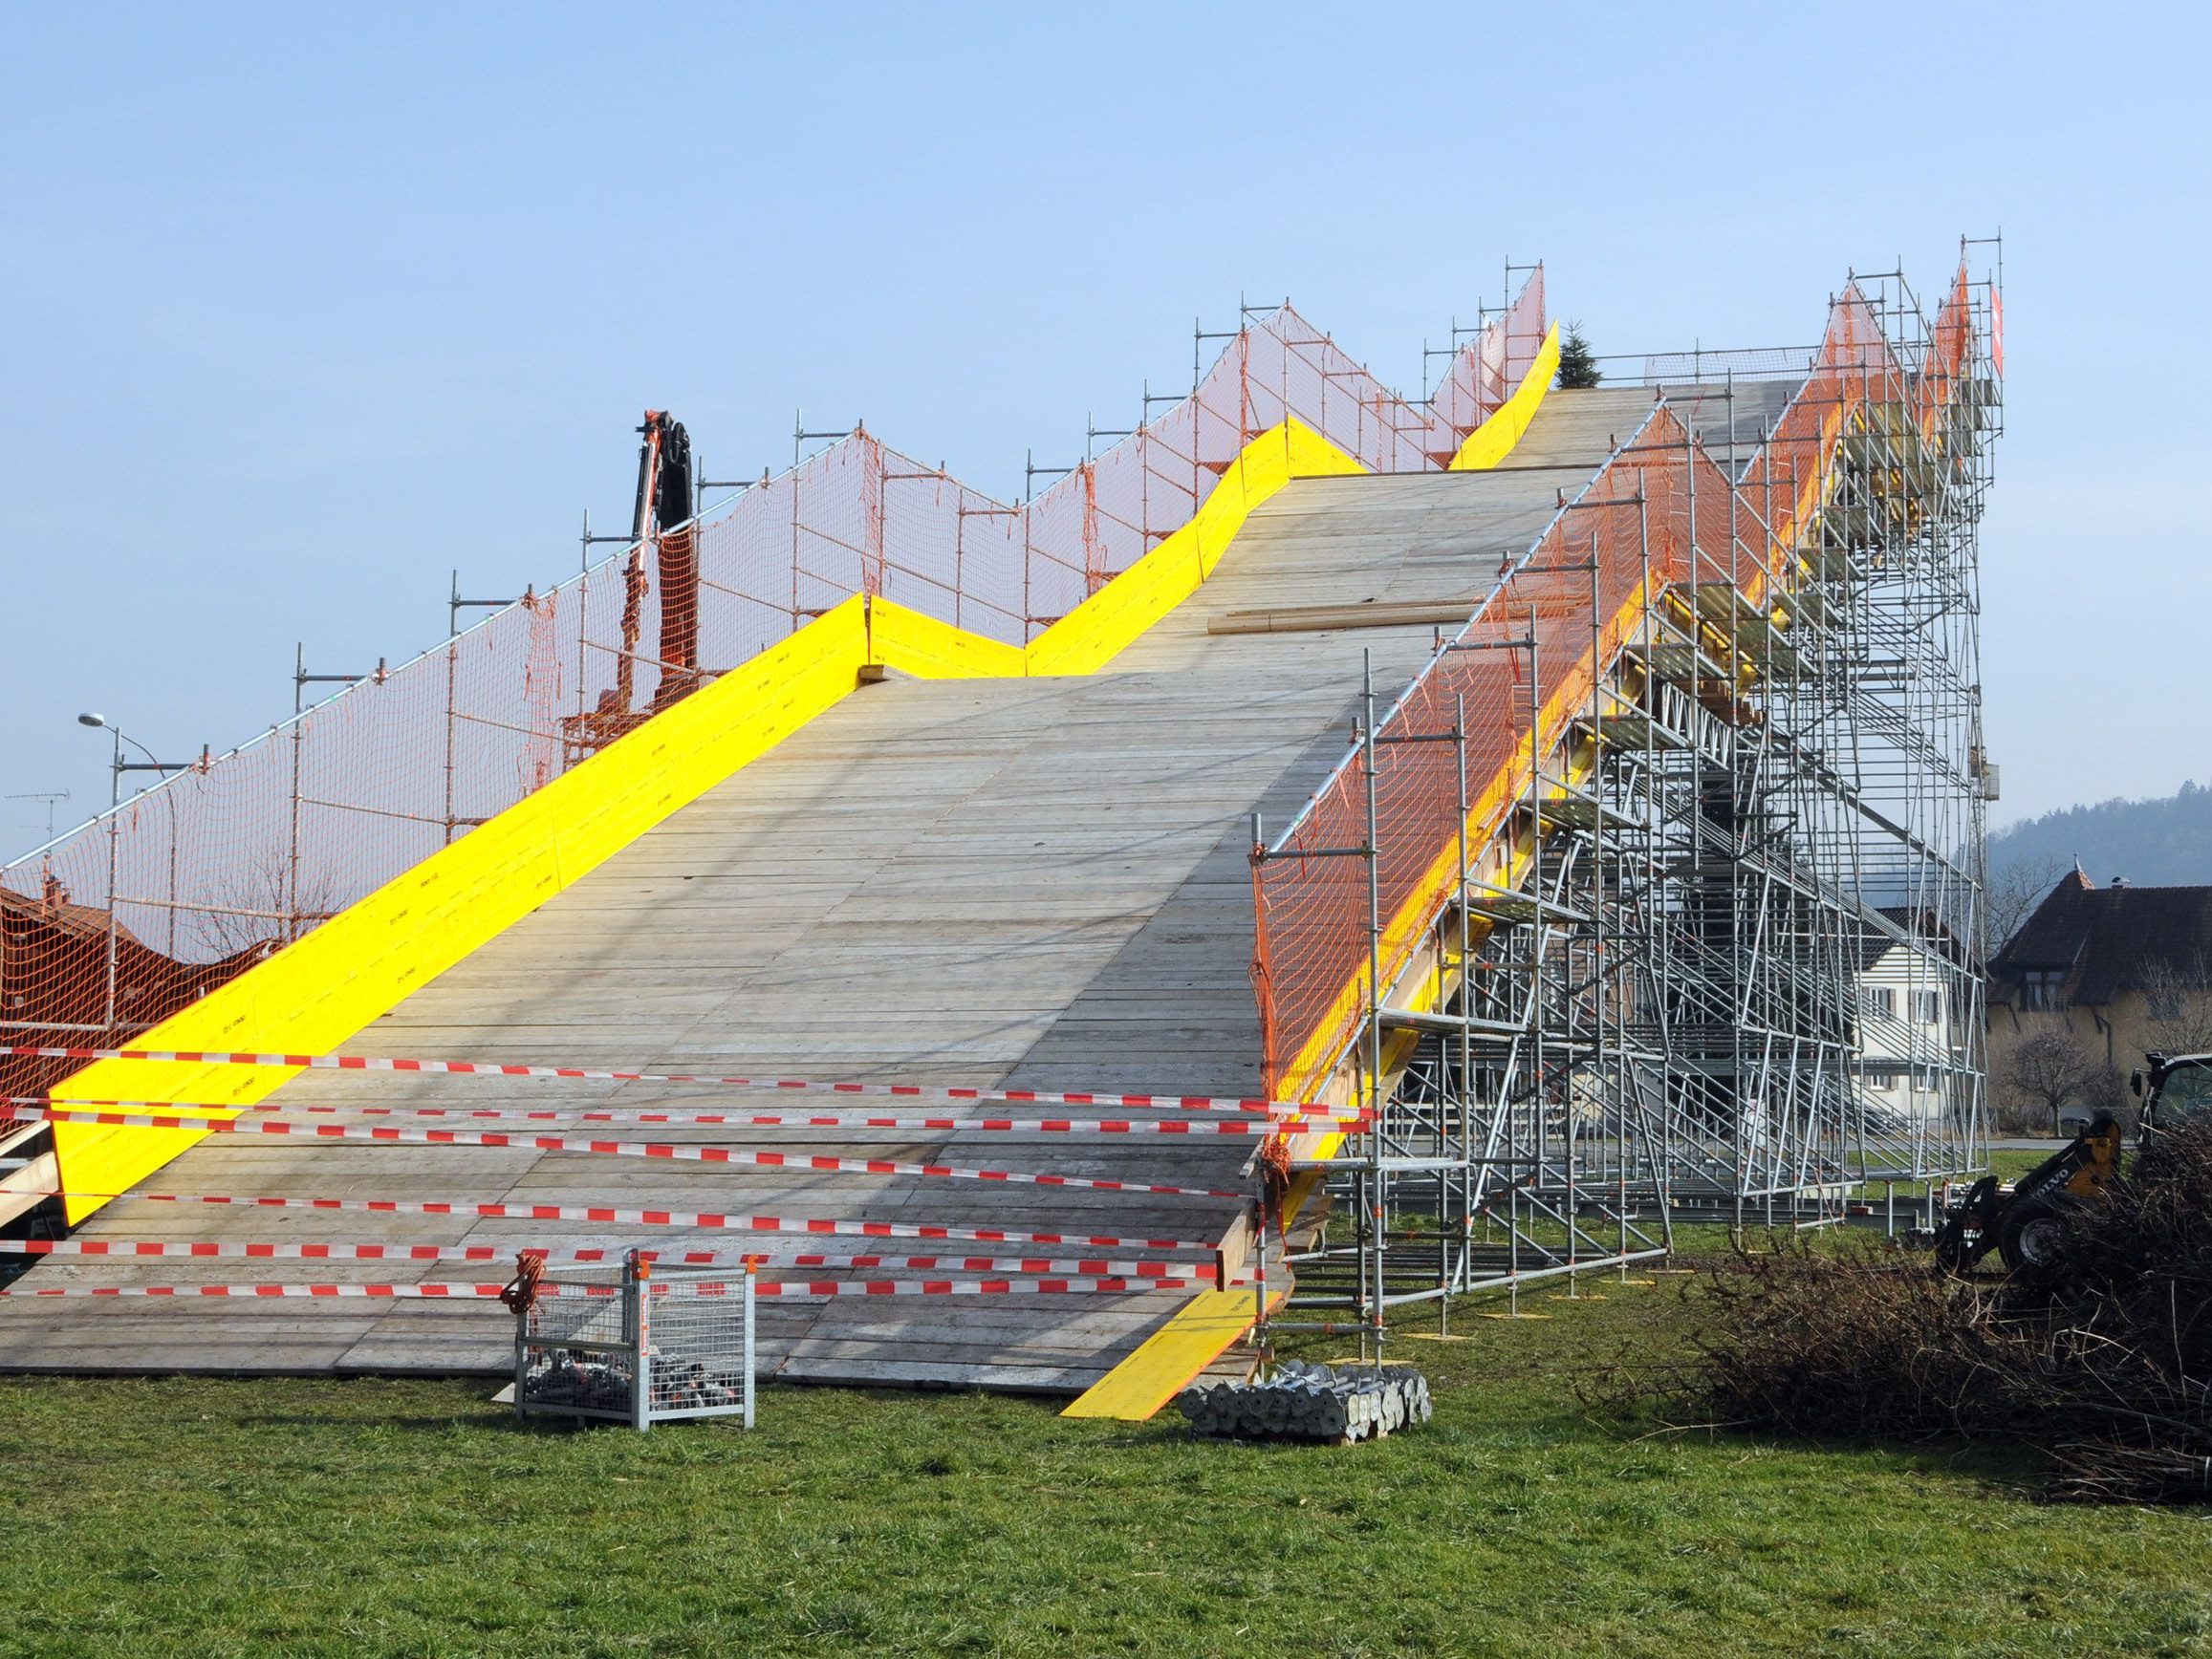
(2162, 842)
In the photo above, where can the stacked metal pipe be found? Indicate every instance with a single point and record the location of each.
(1309, 1402)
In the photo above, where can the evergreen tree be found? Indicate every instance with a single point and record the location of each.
(1578, 363)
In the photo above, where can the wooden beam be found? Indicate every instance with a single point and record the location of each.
(1314, 618)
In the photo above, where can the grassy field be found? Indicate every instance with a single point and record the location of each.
(222, 1517)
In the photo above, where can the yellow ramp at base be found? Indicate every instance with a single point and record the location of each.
(1168, 1360)
(1200, 1332)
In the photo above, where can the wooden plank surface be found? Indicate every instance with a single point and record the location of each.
(1029, 883)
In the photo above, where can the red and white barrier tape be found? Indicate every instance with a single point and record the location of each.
(549, 1143)
(610, 1255)
(789, 1290)
(482, 1069)
(30, 1106)
(707, 1221)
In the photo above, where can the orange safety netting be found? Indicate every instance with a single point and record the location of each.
(1660, 513)
(114, 926)
(1946, 356)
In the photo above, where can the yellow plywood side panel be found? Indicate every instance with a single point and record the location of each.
(315, 994)
(1496, 438)
(1112, 619)
(1204, 1328)
(921, 645)
(1201, 1330)
(1152, 1375)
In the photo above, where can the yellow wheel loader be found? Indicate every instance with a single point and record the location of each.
(2026, 1223)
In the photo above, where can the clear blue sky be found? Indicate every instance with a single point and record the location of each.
(305, 305)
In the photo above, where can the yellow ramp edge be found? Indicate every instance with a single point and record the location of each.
(1157, 1369)
(318, 991)
(1495, 438)
(1196, 1334)
(325, 986)
(1499, 796)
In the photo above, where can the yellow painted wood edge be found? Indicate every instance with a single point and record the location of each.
(914, 642)
(1167, 1361)
(1196, 1333)
(1157, 1370)
(1112, 619)
(1170, 1359)
(317, 992)
(1497, 438)
(1303, 1078)
(1127, 606)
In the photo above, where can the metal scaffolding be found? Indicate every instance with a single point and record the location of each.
(1640, 996)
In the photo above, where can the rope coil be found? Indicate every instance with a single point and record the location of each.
(520, 1293)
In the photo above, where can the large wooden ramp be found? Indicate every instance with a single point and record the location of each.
(1029, 883)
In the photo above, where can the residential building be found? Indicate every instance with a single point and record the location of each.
(2123, 969)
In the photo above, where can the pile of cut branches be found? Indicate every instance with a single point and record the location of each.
(2105, 1366)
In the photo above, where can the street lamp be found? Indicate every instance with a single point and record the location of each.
(114, 795)
(119, 765)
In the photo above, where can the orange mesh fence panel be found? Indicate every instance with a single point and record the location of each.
(1524, 660)
(1484, 376)
(1791, 475)
(116, 925)
(1947, 350)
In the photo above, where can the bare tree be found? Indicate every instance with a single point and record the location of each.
(2178, 1004)
(257, 904)
(2050, 1070)
(2013, 893)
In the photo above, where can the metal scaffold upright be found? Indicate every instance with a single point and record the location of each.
(1710, 752)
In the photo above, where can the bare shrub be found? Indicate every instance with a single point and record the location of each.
(2103, 1368)
(2013, 893)
(2178, 1004)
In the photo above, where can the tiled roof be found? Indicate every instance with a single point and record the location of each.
(1872, 944)
(57, 911)
(2110, 939)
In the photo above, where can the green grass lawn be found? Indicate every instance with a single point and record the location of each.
(220, 1516)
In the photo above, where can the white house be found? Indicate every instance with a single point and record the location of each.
(1909, 1033)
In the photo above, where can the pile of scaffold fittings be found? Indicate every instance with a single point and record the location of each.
(695, 1388)
(1309, 1402)
(590, 1385)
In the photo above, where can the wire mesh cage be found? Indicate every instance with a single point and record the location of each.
(630, 1345)
(698, 1331)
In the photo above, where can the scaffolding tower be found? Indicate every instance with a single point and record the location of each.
(1640, 995)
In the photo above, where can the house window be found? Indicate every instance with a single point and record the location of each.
(1928, 1006)
(2040, 989)
(1879, 1002)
